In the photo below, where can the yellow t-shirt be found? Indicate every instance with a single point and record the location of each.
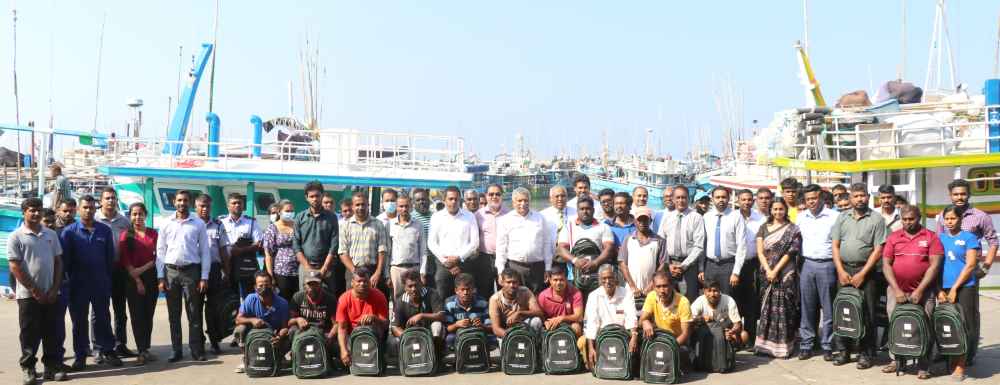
(793, 214)
(668, 318)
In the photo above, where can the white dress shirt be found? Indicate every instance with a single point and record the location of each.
(453, 235)
(753, 225)
(732, 237)
(524, 239)
(692, 235)
(603, 310)
(183, 242)
(245, 226)
(816, 230)
(551, 215)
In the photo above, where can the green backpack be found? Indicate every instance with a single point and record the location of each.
(949, 325)
(472, 353)
(417, 356)
(309, 356)
(559, 352)
(660, 359)
(260, 358)
(519, 351)
(366, 352)
(614, 360)
(909, 334)
(849, 313)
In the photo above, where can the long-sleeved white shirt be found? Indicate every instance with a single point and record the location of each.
(753, 225)
(603, 310)
(183, 242)
(453, 235)
(691, 235)
(524, 239)
(732, 237)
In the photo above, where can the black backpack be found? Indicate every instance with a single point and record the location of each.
(584, 248)
(260, 359)
(614, 360)
(849, 313)
(472, 353)
(660, 359)
(228, 311)
(559, 352)
(909, 334)
(246, 266)
(366, 352)
(949, 325)
(519, 351)
(309, 355)
(713, 352)
(417, 356)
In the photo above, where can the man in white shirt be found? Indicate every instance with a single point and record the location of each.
(726, 245)
(525, 242)
(408, 246)
(389, 211)
(243, 237)
(559, 214)
(609, 304)
(715, 307)
(183, 264)
(818, 274)
(454, 242)
(684, 231)
(746, 294)
(581, 187)
(585, 226)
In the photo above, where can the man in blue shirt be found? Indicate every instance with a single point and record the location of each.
(466, 309)
(623, 223)
(262, 309)
(88, 251)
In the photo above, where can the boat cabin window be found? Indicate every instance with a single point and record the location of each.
(167, 197)
(263, 200)
(989, 180)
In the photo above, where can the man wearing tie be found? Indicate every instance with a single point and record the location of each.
(684, 230)
(726, 243)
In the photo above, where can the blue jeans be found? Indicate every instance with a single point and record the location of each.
(817, 287)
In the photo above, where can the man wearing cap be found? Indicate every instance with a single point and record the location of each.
(314, 307)
(642, 253)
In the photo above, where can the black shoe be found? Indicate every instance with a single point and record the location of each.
(111, 359)
(827, 355)
(177, 356)
(79, 364)
(55, 374)
(805, 355)
(98, 358)
(123, 352)
(233, 343)
(864, 362)
(216, 349)
(30, 376)
(198, 356)
(842, 359)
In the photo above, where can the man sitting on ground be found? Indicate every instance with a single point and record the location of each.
(263, 309)
(561, 302)
(417, 306)
(666, 309)
(360, 306)
(466, 309)
(315, 307)
(713, 307)
(513, 304)
(609, 304)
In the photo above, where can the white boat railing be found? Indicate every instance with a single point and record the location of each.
(334, 151)
(918, 132)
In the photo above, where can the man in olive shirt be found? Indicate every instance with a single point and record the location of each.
(857, 237)
(315, 241)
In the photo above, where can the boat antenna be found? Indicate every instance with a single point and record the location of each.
(902, 51)
(17, 101)
(940, 42)
(215, 54)
(805, 25)
(100, 54)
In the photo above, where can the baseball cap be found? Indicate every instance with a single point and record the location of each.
(643, 211)
(313, 276)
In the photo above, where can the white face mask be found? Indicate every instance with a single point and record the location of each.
(389, 207)
(287, 216)
(274, 217)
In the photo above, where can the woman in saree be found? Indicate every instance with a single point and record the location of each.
(778, 245)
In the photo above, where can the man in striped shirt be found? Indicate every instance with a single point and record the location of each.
(364, 243)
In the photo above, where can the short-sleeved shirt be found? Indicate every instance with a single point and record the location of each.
(217, 239)
(858, 236)
(403, 308)
(36, 252)
(364, 240)
(619, 232)
(725, 309)
(139, 250)
(595, 231)
(276, 315)
(671, 317)
(955, 248)
(522, 301)
(316, 236)
(455, 311)
(118, 225)
(320, 313)
(244, 227)
(571, 300)
(350, 309)
(911, 256)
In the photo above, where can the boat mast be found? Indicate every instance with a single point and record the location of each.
(100, 54)
(215, 46)
(940, 42)
(996, 54)
(17, 101)
(902, 52)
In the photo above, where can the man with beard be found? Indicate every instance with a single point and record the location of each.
(263, 309)
(315, 241)
(454, 241)
(725, 251)
(746, 292)
(514, 304)
(585, 226)
(417, 306)
(713, 307)
(362, 305)
(109, 215)
(561, 302)
(525, 242)
(218, 244)
(622, 223)
(581, 188)
(314, 307)
(887, 207)
(605, 200)
(487, 218)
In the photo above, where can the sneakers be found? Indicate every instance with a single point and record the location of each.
(240, 369)
(55, 374)
(79, 364)
(110, 359)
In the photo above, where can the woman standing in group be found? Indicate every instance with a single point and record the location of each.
(279, 257)
(958, 282)
(778, 245)
(138, 256)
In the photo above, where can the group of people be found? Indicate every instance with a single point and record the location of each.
(763, 268)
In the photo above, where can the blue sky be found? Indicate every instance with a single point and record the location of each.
(561, 72)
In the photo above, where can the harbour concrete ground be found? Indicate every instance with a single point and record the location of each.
(749, 369)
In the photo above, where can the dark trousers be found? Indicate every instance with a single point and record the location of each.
(214, 298)
(182, 285)
(143, 307)
(33, 318)
(688, 283)
(868, 345)
(287, 286)
(58, 325)
(720, 272)
(482, 266)
(968, 301)
(532, 273)
(747, 296)
(444, 281)
(817, 287)
(81, 299)
(119, 290)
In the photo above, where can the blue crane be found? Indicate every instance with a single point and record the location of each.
(179, 123)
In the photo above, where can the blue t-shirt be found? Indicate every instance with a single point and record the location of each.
(276, 316)
(620, 232)
(955, 248)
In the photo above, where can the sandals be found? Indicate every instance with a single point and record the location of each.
(924, 375)
(891, 368)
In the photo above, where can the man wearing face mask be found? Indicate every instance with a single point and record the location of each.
(262, 309)
(388, 213)
(217, 245)
(487, 217)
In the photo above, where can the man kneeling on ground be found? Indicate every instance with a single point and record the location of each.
(561, 302)
(417, 306)
(315, 307)
(263, 309)
(713, 307)
(361, 306)
(666, 309)
(513, 304)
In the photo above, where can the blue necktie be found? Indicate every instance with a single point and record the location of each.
(718, 238)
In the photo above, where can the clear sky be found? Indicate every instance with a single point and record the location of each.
(561, 72)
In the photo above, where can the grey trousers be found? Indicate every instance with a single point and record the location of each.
(687, 283)
(183, 286)
(817, 287)
(720, 272)
(533, 274)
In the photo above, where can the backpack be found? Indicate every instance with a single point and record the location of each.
(260, 359)
(660, 359)
(713, 352)
(584, 248)
(472, 353)
(246, 266)
(366, 352)
(309, 355)
(519, 353)
(909, 334)
(417, 356)
(614, 360)
(559, 352)
(949, 327)
(227, 312)
(849, 313)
